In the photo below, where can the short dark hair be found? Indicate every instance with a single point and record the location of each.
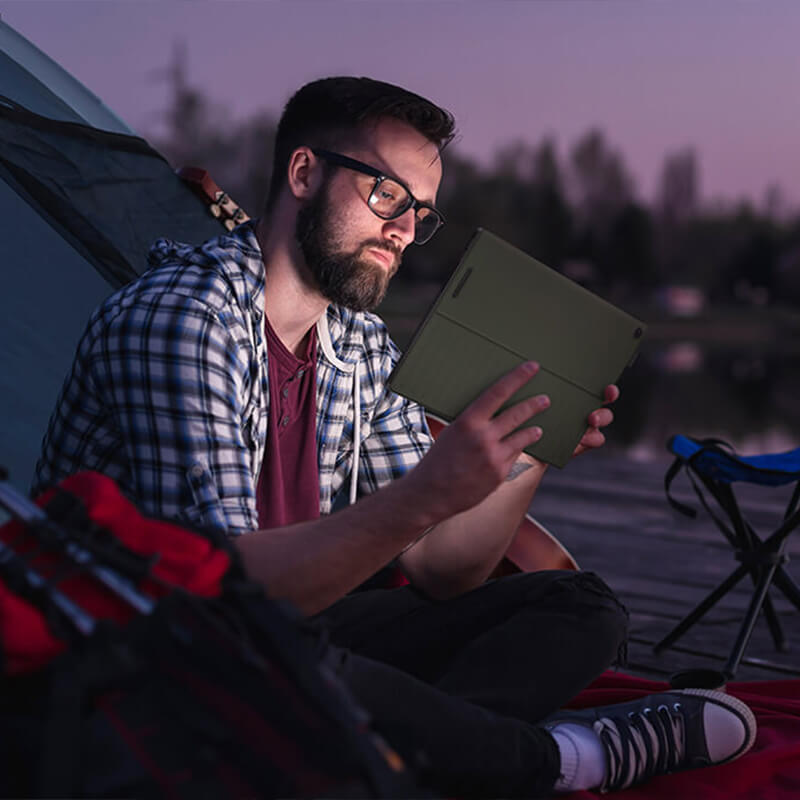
(329, 112)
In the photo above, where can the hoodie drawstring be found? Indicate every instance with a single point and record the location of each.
(324, 340)
(356, 432)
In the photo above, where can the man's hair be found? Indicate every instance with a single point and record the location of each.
(333, 111)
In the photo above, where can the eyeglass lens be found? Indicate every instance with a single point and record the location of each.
(390, 199)
(427, 223)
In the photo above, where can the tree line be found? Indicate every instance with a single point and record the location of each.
(578, 213)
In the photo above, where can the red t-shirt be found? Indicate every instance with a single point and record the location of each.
(288, 484)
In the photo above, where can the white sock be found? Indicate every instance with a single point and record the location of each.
(583, 759)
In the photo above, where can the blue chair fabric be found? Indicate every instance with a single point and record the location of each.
(716, 459)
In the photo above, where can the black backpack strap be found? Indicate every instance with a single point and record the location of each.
(706, 445)
(669, 477)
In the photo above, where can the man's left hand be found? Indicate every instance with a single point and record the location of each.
(598, 419)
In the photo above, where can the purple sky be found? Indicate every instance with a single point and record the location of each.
(722, 75)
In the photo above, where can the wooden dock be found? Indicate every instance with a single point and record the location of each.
(612, 515)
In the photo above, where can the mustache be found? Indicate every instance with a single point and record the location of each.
(381, 244)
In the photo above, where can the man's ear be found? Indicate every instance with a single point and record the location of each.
(304, 173)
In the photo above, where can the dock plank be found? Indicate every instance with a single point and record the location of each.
(613, 516)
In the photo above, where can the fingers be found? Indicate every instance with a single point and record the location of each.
(500, 392)
(507, 427)
(512, 418)
(521, 439)
(518, 414)
(495, 433)
(611, 394)
(600, 418)
(591, 439)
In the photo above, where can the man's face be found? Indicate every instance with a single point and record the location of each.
(352, 253)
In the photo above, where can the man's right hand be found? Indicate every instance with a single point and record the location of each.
(474, 454)
(314, 563)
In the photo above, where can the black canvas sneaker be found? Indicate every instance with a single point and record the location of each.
(664, 733)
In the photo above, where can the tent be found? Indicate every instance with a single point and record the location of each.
(81, 199)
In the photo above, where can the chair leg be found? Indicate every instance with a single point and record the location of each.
(787, 586)
(774, 623)
(773, 551)
(749, 621)
(702, 608)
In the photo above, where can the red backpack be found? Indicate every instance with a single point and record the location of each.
(139, 660)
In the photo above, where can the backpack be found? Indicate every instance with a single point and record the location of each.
(138, 660)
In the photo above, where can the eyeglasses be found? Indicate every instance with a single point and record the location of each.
(390, 198)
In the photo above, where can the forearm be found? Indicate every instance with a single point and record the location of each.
(461, 552)
(313, 564)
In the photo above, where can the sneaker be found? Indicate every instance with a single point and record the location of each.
(665, 733)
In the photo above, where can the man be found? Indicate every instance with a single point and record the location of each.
(242, 384)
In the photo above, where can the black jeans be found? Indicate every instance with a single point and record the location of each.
(463, 682)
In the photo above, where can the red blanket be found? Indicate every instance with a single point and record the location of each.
(771, 770)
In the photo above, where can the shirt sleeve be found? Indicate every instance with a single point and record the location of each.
(399, 436)
(175, 374)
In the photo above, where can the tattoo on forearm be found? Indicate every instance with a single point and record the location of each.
(517, 469)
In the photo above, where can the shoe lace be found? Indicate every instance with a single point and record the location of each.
(642, 744)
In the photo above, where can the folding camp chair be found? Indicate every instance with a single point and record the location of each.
(717, 467)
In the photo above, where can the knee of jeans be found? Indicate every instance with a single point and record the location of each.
(611, 615)
(598, 602)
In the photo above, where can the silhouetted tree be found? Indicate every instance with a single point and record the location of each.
(679, 188)
(601, 189)
(582, 209)
(237, 154)
(550, 234)
(677, 205)
(628, 256)
(600, 184)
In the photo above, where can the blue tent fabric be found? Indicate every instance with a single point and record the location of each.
(34, 80)
(108, 194)
(717, 461)
(82, 198)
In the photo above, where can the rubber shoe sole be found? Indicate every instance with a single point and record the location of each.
(734, 706)
(666, 732)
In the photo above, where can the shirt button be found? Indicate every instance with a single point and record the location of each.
(196, 471)
(285, 421)
(285, 392)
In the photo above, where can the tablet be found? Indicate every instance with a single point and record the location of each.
(502, 307)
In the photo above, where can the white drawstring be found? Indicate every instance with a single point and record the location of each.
(324, 339)
(356, 432)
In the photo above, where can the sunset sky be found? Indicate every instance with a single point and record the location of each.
(721, 75)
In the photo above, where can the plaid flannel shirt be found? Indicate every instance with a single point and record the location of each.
(169, 396)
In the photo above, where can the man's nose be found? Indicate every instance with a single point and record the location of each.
(401, 229)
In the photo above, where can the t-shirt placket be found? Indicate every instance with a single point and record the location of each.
(291, 386)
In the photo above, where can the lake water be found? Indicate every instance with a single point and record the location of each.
(733, 376)
(748, 398)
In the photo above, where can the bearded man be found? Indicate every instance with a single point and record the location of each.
(242, 385)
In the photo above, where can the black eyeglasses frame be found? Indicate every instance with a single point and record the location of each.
(339, 160)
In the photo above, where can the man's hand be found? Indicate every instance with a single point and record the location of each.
(475, 453)
(599, 418)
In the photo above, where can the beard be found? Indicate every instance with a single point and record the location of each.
(347, 279)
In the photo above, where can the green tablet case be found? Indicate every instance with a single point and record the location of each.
(502, 307)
